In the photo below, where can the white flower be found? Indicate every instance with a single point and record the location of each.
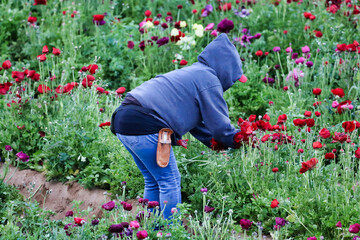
(148, 25)
(178, 56)
(186, 42)
(182, 24)
(174, 32)
(199, 30)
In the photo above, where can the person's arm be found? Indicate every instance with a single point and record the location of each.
(202, 134)
(214, 112)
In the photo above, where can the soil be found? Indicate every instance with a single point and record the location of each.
(61, 195)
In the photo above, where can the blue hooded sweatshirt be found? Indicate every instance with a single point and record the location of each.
(191, 99)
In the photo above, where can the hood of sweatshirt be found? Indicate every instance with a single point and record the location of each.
(222, 56)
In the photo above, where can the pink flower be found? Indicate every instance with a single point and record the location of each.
(288, 50)
(335, 104)
(210, 26)
(142, 234)
(305, 49)
(134, 224)
(109, 206)
(214, 33)
(300, 60)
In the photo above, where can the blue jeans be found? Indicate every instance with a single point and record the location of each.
(161, 184)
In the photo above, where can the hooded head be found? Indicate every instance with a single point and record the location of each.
(222, 56)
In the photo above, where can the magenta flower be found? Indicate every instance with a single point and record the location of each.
(162, 41)
(354, 228)
(208, 9)
(210, 26)
(339, 225)
(295, 76)
(8, 148)
(280, 221)
(134, 224)
(245, 224)
(130, 44)
(288, 50)
(142, 234)
(300, 60)
(22, 156)
(153, 204)
(276, 49)
(109, 206)
(312, 238)
(208, 209)
(204, 190)
(268, 80)
(225, 26)
(69, 214)
(309, 64)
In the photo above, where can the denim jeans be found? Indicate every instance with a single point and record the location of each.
(161, 184)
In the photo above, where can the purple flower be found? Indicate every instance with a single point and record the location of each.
(95, 222)
(69, 214)
(142, 45)
(354, 228)
(356, 238)
(204, 190)
(339, 225)
(101, 22)
(280, 221)
(245, 30)
(243, 13)
(129, 232)
(294, 55)
(312, 238)
(116, 228)
(225, 26)
(309, 64)
(125, 224)
(8, 148)
(109, 206)
(268, 80)
(276, 49)
(208, 9)
(208, 209)
(245, 224)
(22, 156)
(154, 38)
(67, 226)
(288, 50)
(277, 66)
(162, 41)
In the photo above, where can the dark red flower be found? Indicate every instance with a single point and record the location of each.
(130, 44)
(32, 19)
(307, 114)
(92, 68)
(310, 122)
(182, 142)
(98, 17)
(208, 209)
(282, 119)
(330, 155)
(6, 64)
(245, 224)
(357, 153)
(40, 2)
(4, 88)
(216, 146)
(300, 122)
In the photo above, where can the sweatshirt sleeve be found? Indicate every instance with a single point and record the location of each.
(215, 115)
(202, 134)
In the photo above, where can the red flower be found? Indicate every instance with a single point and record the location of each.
(357, 153)
(252, 118)
(100, 89)
(330, 155)
(317, 145)
(4, 88)
(147, 13)
(6, 64)
(348, 126)
(98, 17)
(45, 49)
(216, 146)
(183, 62)
(274, 203)
(310, 122)
(266, 117)
(32, 19)
(340, 137)
(79, 221)
(259, 53)
(182, 142)
(177, 38)
(340, 109)
(338, 92)
(43, 89)
(41, 57)
(307, 114)
(56, 51)
(93, 68)
(318, 114)
(324, 133)
(299, 122)
(104, 124)
(120, 90)
(316, 91)
(308, 165)
(275, 170)
(318, 34)
(307, 15)
(130, 44)
(86, 83)
(265, 138)
(316, 104)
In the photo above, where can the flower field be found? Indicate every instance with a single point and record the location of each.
(65, 66)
